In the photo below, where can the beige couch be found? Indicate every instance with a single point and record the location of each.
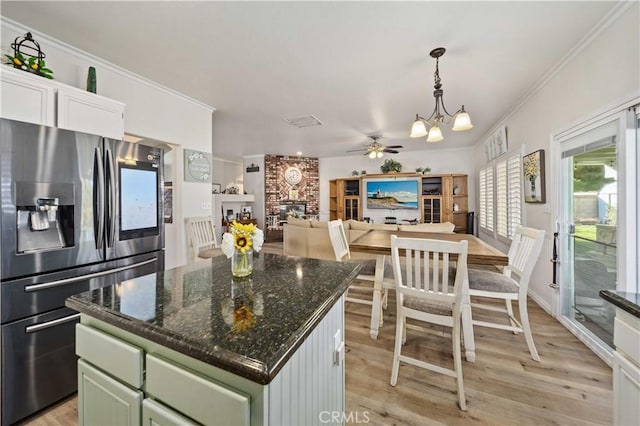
(310, 238)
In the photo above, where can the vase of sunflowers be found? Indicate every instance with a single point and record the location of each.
(239, 244)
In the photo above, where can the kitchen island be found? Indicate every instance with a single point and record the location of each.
(626, 357)
(192, 344)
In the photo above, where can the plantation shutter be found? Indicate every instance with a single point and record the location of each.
(486, 199)
(508, 196)
(514, 177)
(502, 206)
(483, 198)
(490, 219)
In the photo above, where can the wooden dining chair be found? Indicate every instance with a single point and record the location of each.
(424, 293)
(341, 250)
(202, 233)
(511, 284)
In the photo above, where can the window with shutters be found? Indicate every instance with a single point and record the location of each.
(486, 199)
(508, 198)
(500, 197)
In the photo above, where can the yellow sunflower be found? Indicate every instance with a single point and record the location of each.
(242, 242)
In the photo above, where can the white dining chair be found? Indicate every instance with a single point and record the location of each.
(341, 250)
(424, 293)
(510, 285)
(202, 233)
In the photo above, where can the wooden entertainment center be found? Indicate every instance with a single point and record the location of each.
(441, 198)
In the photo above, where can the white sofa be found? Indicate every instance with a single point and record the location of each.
(310, 238)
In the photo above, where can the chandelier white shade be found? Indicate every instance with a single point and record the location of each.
(418, 129)
(461, 119)
(435, 134)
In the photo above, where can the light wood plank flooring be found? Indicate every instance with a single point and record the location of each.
(570, 386)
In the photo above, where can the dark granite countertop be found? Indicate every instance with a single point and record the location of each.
(249, 327)
(629, 302)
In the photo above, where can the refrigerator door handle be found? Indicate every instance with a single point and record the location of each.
(49, 324)
(99, 206)
(111, 181)
(65, 281)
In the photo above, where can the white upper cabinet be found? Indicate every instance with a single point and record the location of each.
(90, 113)
(27, 97)
(34, 99)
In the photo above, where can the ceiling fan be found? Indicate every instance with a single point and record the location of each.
(375, 149)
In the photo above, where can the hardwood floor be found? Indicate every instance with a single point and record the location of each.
(504, 386)
(570, 386)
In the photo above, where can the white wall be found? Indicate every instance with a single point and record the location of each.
(254, 184)
(152, 111)
(604, 72)
(441, 161)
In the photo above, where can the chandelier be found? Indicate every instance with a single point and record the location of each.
(461, 119)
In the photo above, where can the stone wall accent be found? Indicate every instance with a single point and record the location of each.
(277, 191)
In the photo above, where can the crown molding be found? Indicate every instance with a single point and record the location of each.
(83, 55)
(607, 20)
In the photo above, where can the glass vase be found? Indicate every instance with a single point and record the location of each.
(242, 263)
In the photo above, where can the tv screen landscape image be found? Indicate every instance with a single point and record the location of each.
(392, 194)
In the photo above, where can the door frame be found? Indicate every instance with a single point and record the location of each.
(628, 177)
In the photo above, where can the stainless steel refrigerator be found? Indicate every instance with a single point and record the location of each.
(77, 212)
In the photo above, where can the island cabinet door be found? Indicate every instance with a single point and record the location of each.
(103, 400)
(155, 413)
(196, 396)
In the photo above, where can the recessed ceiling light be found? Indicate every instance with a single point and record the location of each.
(298, 153)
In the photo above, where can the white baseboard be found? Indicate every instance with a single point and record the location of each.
(603, 352)
(540, 301)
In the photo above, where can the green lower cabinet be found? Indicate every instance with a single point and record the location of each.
(199, 397)
(156, 414)
(103, 400)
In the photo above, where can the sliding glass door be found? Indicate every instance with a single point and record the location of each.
(590, 207)
(597, 223)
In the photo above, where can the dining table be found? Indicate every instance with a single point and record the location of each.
(378, 242)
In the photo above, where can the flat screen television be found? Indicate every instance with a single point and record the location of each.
(392, 194)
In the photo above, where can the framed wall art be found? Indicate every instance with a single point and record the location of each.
(533, 171)
(216, 188)
(197, 166)
(496, 144)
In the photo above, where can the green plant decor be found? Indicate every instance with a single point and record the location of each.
(390, 165)
(29, 64)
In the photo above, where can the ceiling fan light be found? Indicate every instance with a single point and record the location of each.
(372, 155)
(379, 154)
(435, 134)
(418, 129)
(462, 121)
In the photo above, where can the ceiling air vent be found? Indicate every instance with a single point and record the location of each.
(303, 121)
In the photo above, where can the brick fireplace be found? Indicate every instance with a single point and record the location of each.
(279, 193)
